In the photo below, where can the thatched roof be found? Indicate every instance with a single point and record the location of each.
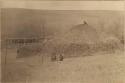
(82, 33)
(79, 35)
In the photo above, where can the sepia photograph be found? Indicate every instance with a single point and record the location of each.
(62, 46)
(63, 0)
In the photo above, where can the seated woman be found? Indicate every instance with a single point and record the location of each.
(61, 57)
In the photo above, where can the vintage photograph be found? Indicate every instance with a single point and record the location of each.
(62, 46)
(63, 0)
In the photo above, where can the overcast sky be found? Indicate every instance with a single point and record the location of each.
(27, 21)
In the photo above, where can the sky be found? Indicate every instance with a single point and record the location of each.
(17, 22)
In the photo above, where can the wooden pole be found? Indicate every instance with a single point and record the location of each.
(5, 65)
(43, 40)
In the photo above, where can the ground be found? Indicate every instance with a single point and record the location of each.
(99, 68)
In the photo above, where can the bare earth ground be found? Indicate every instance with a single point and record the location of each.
(99, 68)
